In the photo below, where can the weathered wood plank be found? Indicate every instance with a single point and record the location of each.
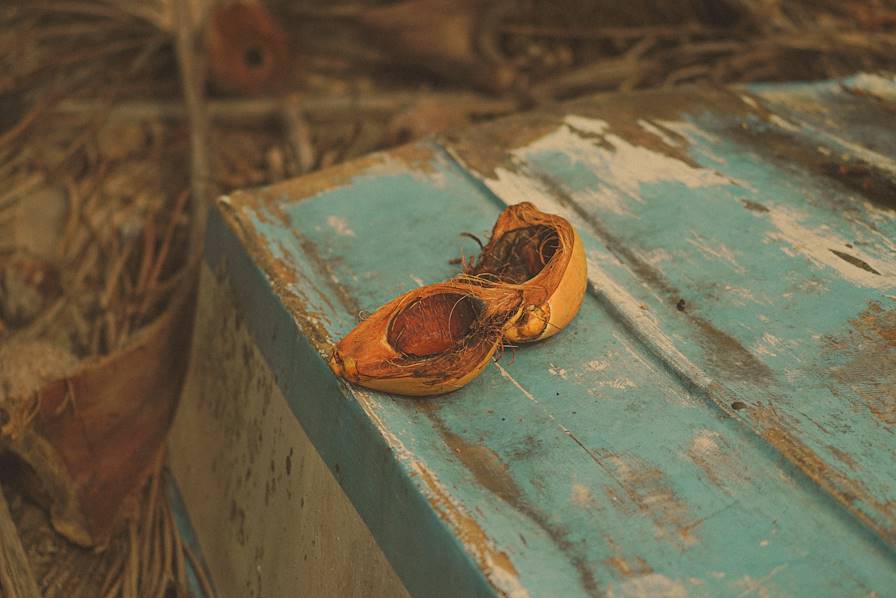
(744, 216)
(709, 450)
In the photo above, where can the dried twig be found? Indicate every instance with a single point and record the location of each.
(16, 578)
(316, 107)
(298, 135)
(193, 84)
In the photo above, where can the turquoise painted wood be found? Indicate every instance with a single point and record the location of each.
(717, 421)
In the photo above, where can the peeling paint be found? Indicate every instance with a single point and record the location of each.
(340, 225)
(658, 132)
(762, 344)
(646, 489)
(648, 586)
(716, 250)
(495, 564)
(557, 371)
(596, 365)
(818, 243)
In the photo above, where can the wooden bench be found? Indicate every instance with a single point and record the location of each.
(717, 421)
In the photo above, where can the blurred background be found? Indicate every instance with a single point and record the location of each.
(120, 120)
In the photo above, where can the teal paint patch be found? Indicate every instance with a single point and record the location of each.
(773, 280)
(592, 462)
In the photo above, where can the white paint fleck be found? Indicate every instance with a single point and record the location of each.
(595, 126)
(882, 87)
(716, 250)
(766, 344)
(749, 101)
(506, 375)
(759, 587)
(417, 280)
(618, 383)
(648, 586)
(655, 130)
(692, 132)
(705, 442)
(581, 495)
(596, 365)
(655, 257)
(339, 224)
(689, 130)
(783, 124)
(717, 574)
(555, 371)
(817, 242)
(621, 169)
(763, 543)
(741, 296)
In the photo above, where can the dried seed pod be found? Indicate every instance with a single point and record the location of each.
(429, 341)
(544, 255)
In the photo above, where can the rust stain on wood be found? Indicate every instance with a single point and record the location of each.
(492, 561)
(717, 460)
(849, 173)
(871, 370)
(629, 566)
(282, 277)
(849, 492)
(643, 488)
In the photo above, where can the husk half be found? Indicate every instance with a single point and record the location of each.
(373, 357)
(553, 294)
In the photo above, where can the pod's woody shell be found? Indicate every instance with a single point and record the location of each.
(366, 356)
(554, 295)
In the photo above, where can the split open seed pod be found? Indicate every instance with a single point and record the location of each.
(543, 254)
(429, 341)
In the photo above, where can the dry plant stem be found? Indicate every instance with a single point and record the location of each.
(149, 244)
(156, 574)
(113, 578)
(26, 121)
(167, 542)
(149, 517)
(115, 589)
(180, 571)
(156, 270)
(16, 578)
(113, 278)
(298, 134)
(316, 107)
(193, 83)
(20, 189)
(199, 570)
(671, 31)
(132, 573)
